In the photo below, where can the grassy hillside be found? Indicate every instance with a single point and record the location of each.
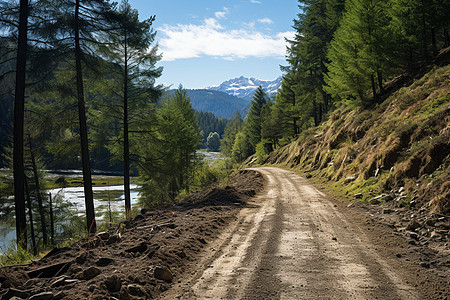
(396, 154)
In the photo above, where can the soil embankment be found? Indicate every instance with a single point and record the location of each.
(139, 259)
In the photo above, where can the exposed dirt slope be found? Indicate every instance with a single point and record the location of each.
(141, 258)
(398, 151)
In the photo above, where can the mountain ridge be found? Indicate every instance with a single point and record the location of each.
(244, 87)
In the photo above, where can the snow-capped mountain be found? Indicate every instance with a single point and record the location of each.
(243, 87)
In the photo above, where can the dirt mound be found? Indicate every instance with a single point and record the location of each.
(139, 259)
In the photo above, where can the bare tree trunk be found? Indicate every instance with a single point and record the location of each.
(30, 217)
(52, 224)
(19, 106)
(87, 180)
(126, 143)
(38, 193)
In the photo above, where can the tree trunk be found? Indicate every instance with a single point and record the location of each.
(434, 42)
(126, 145)
(316, 120)
(380, 80)
(374, 89)
(424, 33)
(52, 224)
(87, 180)
(294, 119)
(38, 193)
(19, 106)
(30, 217)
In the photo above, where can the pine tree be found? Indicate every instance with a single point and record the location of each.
(359, 53)
(253, 121)
(231, 130)
(129, 48)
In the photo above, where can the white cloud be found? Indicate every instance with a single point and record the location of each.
(255, 1)
(211, 39)
(222, 14)
(265, 21)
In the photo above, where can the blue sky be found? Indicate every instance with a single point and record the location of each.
(205, 42)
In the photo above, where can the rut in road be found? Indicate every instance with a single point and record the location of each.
(293, 244)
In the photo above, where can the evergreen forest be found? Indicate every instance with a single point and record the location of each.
(79, 91)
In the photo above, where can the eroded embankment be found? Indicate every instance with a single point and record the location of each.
(396, 154)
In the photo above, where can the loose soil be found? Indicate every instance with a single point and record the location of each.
(123, 262)
(290, 241)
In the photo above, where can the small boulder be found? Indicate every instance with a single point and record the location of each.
(139, 248)
(104, 261)
(136, 290)
(163, 273)
(91, 272)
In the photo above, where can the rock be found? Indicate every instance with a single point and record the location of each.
(358, 196)
(103, 235)
(42, 296)
(351, 178)
(413, 225)
(139, 248)
(163, 273)
(113, 283)
(91, 272)
(136, 290)
(104, 261)
(401, 190)
(387, 211)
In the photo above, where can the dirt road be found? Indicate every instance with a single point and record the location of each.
(292, 242)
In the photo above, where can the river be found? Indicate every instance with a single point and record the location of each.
(105, 198)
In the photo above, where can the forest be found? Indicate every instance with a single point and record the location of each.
(81, 77)
(344, 53)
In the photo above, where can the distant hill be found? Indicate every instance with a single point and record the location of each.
(219, 103)
(244, 88)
